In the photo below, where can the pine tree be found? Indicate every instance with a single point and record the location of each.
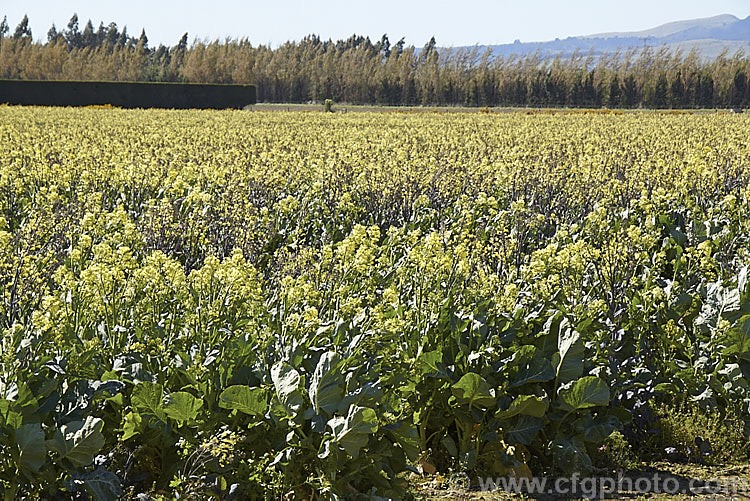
(72, 35)
(428, 49)
(23, 31)
(678, 99)
(399, 47)
(88, 37)
(629, 91)
(659, 99)
(183, 43)
(384, 46)
(4, 28)
(143, 40)
(614, 92)
(101, 33)
(124, 38)
(52, 35)
(112, 35)
(739, 96)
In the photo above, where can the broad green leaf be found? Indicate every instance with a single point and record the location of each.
(537, 370)
(353, 432)
(720, 302)
(245, 399)
(33, 454)
(9, 417)
(4, 409)
(732, 372)
(107, 388)
(555, 323)
(589, 391)
(522, 355)
(705, 397)
(102, 484)
(130, 370)
(524, 430)
(132, 425)
(666, 388)
(406, 436)
(731, 301)
(147, 399)
(598, 429)
(450, 446)
(742, 280)
(79, 441)
(182, 407)
(738, 339)
(529, 405)
(286, 381)
(24, 401)
(430, 364)
(570, 353)
(570, 455)
(325, 386)
(473, 389)
(365, 395)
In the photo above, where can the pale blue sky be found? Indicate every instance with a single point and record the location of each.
(456, 22)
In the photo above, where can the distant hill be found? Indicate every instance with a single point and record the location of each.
(709, 36)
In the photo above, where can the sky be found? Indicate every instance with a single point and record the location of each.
(453, 23)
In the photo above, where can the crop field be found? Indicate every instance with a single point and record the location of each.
(261, 305)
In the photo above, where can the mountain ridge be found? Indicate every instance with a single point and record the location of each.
(708, 36)
(670, 28)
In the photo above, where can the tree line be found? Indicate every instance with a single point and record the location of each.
(358, 70)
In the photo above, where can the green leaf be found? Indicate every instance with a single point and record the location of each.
(353, 432)
(9, 417)
(589, 391)
(524, 430)
(106, 388)
(182, 407)
(705, 397)
(570, 350)
(720, 303)
(245, 399)
(738, 339)
(406, 436)
(731, 301)
(450, 446)
(430, 364)
(570, 455)
(147, 399)
(666, 388)
(537, 370)
(742, 280)
(102, 484)
(24, 401)
(598, 429)
(286, 380)
(325, 386)
(33, 455)
(132, 425)
(79, 441)
(529, 405)
(473, 389)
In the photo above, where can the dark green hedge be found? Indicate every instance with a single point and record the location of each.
(125, 94)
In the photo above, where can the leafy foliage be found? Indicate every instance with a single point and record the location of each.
(312, 303)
